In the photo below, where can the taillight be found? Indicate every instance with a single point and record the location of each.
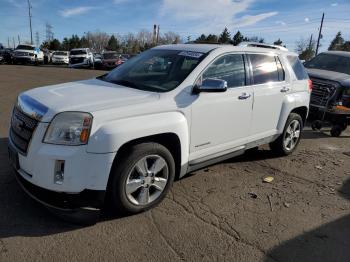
(310, 85)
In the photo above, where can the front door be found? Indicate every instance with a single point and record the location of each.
(221, 121)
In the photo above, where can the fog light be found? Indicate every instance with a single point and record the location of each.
(59, 172)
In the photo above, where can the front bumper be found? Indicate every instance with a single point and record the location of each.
(24, 59)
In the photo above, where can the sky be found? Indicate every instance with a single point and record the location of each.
(270, 19)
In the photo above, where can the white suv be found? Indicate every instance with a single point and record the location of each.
(164, 113)
(81, 57)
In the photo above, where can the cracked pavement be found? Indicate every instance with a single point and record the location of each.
(220, 213)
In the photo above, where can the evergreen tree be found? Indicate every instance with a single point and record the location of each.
(113, 44)
(55, 45)
(337, 43)
(225, 36)
(201, 39)
(278, 42)
(212, 39)
(237, 38)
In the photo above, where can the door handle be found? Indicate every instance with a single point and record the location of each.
(244, 96)
(285, 89)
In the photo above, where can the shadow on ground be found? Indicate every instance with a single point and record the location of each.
(330, 242)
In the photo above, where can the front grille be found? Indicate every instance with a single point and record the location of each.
(77, 60)
(22, 128)
(322, 92)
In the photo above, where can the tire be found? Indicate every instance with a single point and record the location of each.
(336, 131)
(281, 146)
(129, 170)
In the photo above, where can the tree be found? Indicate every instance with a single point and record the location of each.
(170, 38)
(65, 44)
(256, 39)
(305, 49)
(201, 39)
(337, 43)
(278, 42)
(237, 38)
(55, 45)
(225, 36)
(74, 42)
(212, 39)
(113, 44)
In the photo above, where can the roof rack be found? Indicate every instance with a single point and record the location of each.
(261, 45)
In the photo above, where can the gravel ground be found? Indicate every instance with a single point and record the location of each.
(221, 213)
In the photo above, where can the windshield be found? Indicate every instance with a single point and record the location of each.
(330, 62)
(60, 53)
(155, 70)
(110, 55)
(78, 52)
(25, 47)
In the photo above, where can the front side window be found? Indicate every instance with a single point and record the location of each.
(265, 69)
(156, 70)
(229, 68)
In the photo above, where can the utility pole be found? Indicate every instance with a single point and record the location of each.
(8, 42)
(49, 33)
(19, 40)
(154, 34)
(310, 44)
(157, 35)
(319, 35)
(13, 41)
(30, 21)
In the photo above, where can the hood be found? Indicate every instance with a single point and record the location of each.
(343, 79)
(87, 96)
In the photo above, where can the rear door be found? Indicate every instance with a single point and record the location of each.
(270, 89)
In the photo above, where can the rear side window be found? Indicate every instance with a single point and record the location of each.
(229, 68)
(265, 69)
(298, 68)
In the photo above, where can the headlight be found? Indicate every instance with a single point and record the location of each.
(69, 128)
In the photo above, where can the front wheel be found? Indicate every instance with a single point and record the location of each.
(288, 141)
(141, 178)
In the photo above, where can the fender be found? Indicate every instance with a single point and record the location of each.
(109, 137)
(291, 101)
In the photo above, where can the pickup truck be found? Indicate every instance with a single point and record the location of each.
(81, 57)
(122, 138)
(27, 54)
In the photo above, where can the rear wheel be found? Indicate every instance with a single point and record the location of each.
(288, 141)
(141, 178)
(337, 130)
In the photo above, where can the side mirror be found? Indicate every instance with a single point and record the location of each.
(211, 85)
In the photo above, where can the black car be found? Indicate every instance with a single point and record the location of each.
(6, 55)
(330, 97)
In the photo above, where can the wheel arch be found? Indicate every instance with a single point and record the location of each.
(171, 141)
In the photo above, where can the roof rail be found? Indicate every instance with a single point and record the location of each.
(261, 45)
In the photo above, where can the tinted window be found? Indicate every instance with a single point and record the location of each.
(229, 68)
(264, 69)
(298, 68)
(331, 62)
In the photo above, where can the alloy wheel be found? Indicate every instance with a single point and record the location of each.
(147, 180)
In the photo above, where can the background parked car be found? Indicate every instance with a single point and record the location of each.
(81, 57)
(60, 57)
(27, 54)
(109, 59)
(330, 97)
(98, 61)
(6, 55)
